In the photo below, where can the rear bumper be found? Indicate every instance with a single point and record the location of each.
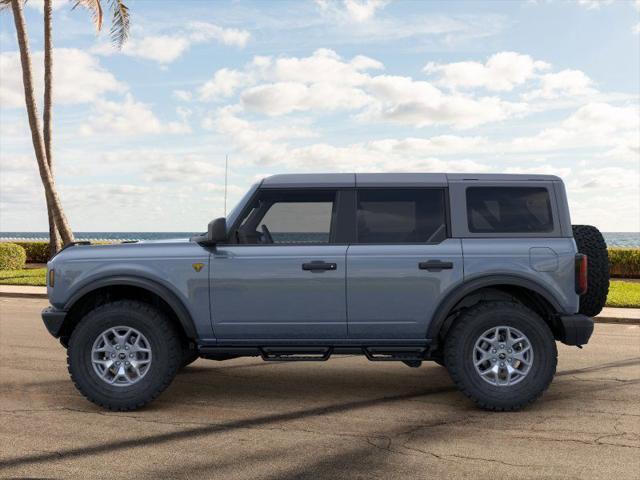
(576, 329)
(53, 319)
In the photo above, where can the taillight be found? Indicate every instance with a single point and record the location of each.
(582, 283)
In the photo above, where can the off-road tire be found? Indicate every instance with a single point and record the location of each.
(460, 342)
(154, 325)
(591, 242)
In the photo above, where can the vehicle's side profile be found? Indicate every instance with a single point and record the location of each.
(480, 273)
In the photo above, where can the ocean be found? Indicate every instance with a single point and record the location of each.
(613, 239)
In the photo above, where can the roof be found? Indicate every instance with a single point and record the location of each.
(305, 180)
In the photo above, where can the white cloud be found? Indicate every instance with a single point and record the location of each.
(351, 10)
(202, 32)
(636, 29)
(185, 169)
(502, 72)
(594, 4)
(166, 48)
(78, 78)
(326, 82)
(183, 95)
(224, 83)
(564, 83)
(55, 4)
(128, 118)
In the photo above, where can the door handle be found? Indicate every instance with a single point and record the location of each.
(319, 266)
(435, 265)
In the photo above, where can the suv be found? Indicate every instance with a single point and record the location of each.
(479, 273)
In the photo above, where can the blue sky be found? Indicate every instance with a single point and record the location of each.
(546, 86)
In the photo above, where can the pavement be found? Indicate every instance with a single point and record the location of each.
(345, 418)
(608, 315)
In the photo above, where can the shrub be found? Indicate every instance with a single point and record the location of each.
(624, 262)
(37, 252)
(12, 256)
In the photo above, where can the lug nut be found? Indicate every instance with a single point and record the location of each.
(117, 347)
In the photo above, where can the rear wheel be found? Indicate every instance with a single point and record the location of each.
(123, 354)
(501, 355)
(590, 241)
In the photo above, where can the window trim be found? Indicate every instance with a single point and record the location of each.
(510, 234)
(447, 214)
(232, 236)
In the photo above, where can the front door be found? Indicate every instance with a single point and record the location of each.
(401, 264)
(282, 276)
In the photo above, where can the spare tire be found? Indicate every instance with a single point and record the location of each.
(591, 243)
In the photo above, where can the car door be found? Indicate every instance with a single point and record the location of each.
(282, 276)
(401, 264)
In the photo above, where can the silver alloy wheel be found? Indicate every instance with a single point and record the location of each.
(503, 356)
(121, 356)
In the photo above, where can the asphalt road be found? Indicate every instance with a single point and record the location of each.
(346, 418)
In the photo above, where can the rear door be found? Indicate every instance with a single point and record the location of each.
(283, 275)
(402, 262)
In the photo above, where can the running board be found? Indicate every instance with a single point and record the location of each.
(296, 354)
(395, 354)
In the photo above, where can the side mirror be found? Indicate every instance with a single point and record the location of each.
(216, 232)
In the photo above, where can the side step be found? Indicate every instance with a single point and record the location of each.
(296, 354)
(395, 354)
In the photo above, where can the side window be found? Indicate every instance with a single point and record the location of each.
(509, 210)
(401, 215)
(288, 217)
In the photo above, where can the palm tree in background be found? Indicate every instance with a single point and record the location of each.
(59, 229)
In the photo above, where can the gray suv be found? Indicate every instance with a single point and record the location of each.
(479, 273)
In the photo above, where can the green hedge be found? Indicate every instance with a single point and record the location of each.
(624, 262)
(12, 256)
(37, 252)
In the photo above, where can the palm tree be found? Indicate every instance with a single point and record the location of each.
(119, 34)
(59, 228)
(53, 200)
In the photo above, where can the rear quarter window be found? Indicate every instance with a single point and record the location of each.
(509, 210)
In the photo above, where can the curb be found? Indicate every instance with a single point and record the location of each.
(22, 295)
(603, 319)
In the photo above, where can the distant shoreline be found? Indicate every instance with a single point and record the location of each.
(613, 239)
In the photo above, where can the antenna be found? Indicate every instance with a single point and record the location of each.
(226, 171)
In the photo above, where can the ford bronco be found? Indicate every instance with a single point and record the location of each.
(479, 273)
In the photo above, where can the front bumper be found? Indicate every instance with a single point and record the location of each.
(576, 329)
(54, 320)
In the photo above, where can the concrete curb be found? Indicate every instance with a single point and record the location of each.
(624, 316)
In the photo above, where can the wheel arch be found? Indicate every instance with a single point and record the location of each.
(522, 289)
(127, 286)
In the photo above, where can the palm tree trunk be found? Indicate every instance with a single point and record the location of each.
(34, 123)
(54, 238)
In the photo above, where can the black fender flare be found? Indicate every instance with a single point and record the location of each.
(183, 315)
(464, 289)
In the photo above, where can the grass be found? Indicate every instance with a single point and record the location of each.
(27, 276)
(624, 294)
(621, 293)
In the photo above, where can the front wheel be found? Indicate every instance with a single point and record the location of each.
(501, 355)
(123, 354)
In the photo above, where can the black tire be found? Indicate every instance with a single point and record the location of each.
(459, 348)
(591, 242)
(165, 345)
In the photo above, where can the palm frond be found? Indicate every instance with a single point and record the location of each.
(95, 8)
(119, 23)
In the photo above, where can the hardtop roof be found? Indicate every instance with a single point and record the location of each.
(303, 180)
